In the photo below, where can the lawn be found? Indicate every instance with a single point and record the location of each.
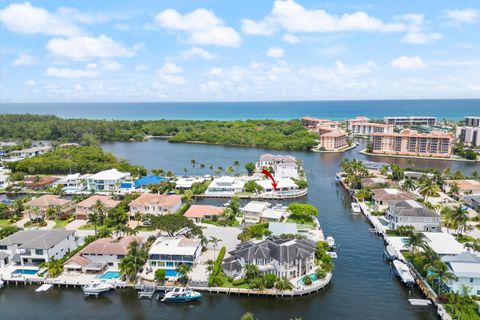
(144, 228)
(4, 223)
(304, 222)
(88, 226)
(60, 224)
(228, 284)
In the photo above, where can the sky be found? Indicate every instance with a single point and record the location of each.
(249, 50)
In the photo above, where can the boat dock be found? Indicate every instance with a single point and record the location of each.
(147, 292)
(44, 287)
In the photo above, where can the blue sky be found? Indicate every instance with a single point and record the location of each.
(64, 51)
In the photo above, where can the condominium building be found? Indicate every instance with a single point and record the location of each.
(411, 142)
(469, 135)
(333, 140)
(313, 123)
(350, 122)
(472, 121)
(410, 121)
(367, 128)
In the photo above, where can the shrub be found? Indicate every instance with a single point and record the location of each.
(218, 281)
(270, 280)
(307, 281)
(320, 273)
(239, 282)
(160, 275)
(217, 267)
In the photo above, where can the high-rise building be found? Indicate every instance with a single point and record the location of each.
(411, 121)
(469, 135)
(368, 128)
(472, 121)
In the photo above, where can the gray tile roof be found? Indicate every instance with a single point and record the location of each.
(411, 208)
(36, 239)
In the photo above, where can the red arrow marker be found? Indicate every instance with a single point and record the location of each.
(268, 174)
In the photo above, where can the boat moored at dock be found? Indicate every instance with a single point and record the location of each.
(97, 287)
(356, 208)
(181, 295)
(403, 273)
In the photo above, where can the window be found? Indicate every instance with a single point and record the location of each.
(471, 280)
(38, 252)
(3, 247)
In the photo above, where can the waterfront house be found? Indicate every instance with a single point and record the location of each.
(32, 152)
(37, 207)
(285, 186)
(144, 182)
(33, 247)
(412, 213)
(39, 182)
(107, 180)
(155, 204)
(444, 244)
(185, 183)
(284, 258)
(283, 166)
(197, 212)
(278, 228)
(73, 182)
(465, 187)
(473, 201)
(100, 254)
(375, 182)
(466, 268)
(85, 207)
(382, 198)
(252, 212)
(225, 186)
(168, 253)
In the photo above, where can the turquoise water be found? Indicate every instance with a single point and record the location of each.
(170, 273)
(25, 271)
(448, 109)
(311, 276)
(109, 275)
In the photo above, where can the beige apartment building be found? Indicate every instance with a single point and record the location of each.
(350, 122)
(367, 128)
(314, 123)
(334, 140)
(413, 143)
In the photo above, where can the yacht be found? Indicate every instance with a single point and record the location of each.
(403, 273)
(96, 287)
(181, 295)
(356, 208)
(330, 241)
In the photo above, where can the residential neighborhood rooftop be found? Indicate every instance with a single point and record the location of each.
(36, 239)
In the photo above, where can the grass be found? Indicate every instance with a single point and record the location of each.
(30, 224)
(88, 226)
(300, 221)
(60, 224)
(228, 284)
(145, 228)
(243, 194)
(5, 223)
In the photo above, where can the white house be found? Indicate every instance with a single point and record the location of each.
(444, 244)
(412, 213)
(73, 182)
(108, 180)
(285, 186)
(32, 152)
(186, 183)
(100, 254)
(284, 166)
(466, 268)
(284, 258)
(252, 212)
(225, 186)
(169, 253)
(32, 247)
(156, 204)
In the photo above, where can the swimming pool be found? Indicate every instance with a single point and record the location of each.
(109, 275)
(30, 272)
(170, 273)
(312, 276)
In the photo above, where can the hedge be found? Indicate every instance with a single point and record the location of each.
(217, 266)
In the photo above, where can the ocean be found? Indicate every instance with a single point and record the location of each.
(336, 110)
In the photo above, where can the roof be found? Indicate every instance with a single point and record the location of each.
(158, 199)
(416, 134)
(281, 183)
(279, 228)
(467, 270)
(107, 201)
(43, 181)
(110, 246)
(273, 213)
(411, 208)
(33, 149)
(278, 158)
(148, 180)
(36, 239)
(200, 211)
(334, 134)
(47, 201)
(367, 182)
(466, 184)
(392, 195)
(256, 206)
(177, 245)
(111, 174)
(443, 243)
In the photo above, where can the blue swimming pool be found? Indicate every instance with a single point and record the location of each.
(170, 273)
(109, 275)
(26, 271)
(312, 276)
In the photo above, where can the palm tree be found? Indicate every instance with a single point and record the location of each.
(430, 257)
(182, 272)
(415, 241)
(99, 208)
(133, 261)
(236, 164)
(410, 164)
(215, 241)
(210, 264)
(441, 273)
(475, 174)
(202, 166)
(193, 162)
(230, 170)
(93, 219)
(283, 284)
(428, 188)
(460, 218)
(454, 189)
(408, 184)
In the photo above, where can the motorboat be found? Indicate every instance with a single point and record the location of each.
(97, 287)
(390, 253)
(333, 254)
(330, 241)
(356, 208)
(403, 273)
(181, 295)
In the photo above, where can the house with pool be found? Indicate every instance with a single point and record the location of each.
(33, 247)
(37, 207)
(225, 186)
(100, 255)
(168, 253)
(285, 258)
(466, 268)
(155, 204)
(86, 207)
(107, 180)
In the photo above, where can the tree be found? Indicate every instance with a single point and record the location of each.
(252, 186)
(93, 219)
(248, 316)
(99, 208)
(408, 184)
(160, 275)
(172, 223)
(182, 272)
(283, 284)
(460, 218)
(236, 164)
(235, 206)
(415, 241)
(193, 163)
(250, 167)
(54, 267)
(428, 188)
(8, 231)
(397, 172)
(454, 188)
(251, 271)
(230, 170)
(441, 273)
(133, 261)
(210, 265)
(363, 194)
(214, 241)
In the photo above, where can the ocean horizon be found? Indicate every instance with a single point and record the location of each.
(450, 109)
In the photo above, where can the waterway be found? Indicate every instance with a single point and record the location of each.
(363, 286)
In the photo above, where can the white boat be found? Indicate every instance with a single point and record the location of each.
(333, 254)
(330, 241)
(1, 284)
(356, 207)
(390, 253)
(181, 295)
(403, 273)
(97, 287)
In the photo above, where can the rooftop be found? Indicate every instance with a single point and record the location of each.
(466, 184)
(279, 228)
(256, 206)
(158, 199)
(412, 208)
(177, 246)
(47, 200)
(200, 211)
(278, 158)
(37, 239)
(392, 195)
(107, 201)
(111, 174)
(443, 243)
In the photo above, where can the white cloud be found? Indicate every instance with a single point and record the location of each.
(24, 60)
(421, 38)
(202, 26)
(169, 73)
(110, 65)
(25, 18)
(170, 68)
(89, 72)
(72, 14)
(140, 67)
(196, 52)
(405, 62)
(463, 16)
(262, 28)
(290, 38)
(85, 48)
(30, 83)
(275, 52)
